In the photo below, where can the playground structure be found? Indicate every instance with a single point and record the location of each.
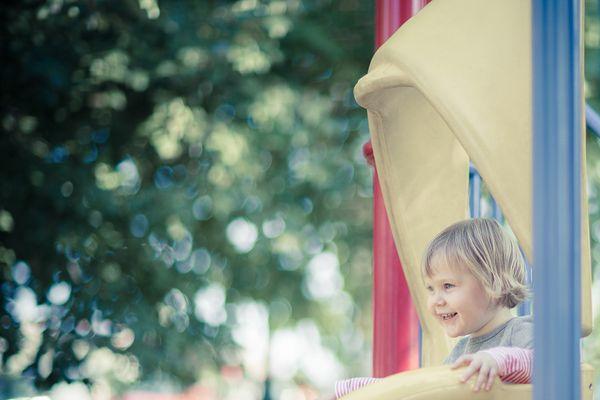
(496, 83)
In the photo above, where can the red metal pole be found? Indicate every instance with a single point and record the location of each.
(395, 321)
(390, 14)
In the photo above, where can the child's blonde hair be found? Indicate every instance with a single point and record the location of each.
(482, 247)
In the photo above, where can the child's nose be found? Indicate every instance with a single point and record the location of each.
(439, 299)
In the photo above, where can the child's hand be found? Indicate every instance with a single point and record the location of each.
(482, 362)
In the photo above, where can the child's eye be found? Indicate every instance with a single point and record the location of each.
(429, 288)
(448, 286)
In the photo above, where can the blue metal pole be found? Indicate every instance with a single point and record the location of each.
(496, 211)
(592, 119)
(556, 197)
(474, 192)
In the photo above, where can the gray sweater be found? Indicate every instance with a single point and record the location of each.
(516, 332)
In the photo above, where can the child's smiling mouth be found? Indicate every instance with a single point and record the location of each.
(448, 316)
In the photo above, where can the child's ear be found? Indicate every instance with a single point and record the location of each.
(496, 300)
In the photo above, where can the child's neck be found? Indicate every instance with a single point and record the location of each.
(499, 318)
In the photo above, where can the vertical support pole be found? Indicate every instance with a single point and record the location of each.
(395, 322)
(557, 144)
(474, 192)
(497, 212)
(390, 14)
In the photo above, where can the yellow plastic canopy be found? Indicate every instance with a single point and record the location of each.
(453, 85)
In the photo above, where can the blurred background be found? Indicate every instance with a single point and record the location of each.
(184, 206)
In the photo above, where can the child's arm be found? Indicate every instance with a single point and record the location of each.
(511, 364)
(515, 364)
(346, 386)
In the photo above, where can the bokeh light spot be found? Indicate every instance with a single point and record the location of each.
(209, 305)
(59, 293)
(163, 178)
(138, 225)
(66, 189)
(274, 227)
(242, 234)
(201, 261)
(202, 208)
(323, 279)
(21, 272)
(6, 221)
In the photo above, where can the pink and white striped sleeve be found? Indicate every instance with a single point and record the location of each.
(515, 364)
(346, 386)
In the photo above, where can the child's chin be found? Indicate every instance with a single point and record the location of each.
(453, 333)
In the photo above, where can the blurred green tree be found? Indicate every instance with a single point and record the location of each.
(164, 161)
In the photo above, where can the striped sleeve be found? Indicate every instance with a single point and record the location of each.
(346, 386)
(514, 363)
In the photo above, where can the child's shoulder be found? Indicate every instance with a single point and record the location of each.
(525, 322)
(521, 332)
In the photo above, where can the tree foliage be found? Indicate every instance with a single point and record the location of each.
(165, 161)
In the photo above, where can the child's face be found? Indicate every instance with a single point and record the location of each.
(459, 301)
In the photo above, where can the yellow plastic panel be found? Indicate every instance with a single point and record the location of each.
(442, 383)
(436, 383)
(454, 83)
(416, 218)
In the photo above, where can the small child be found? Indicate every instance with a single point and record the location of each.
(475, 274)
